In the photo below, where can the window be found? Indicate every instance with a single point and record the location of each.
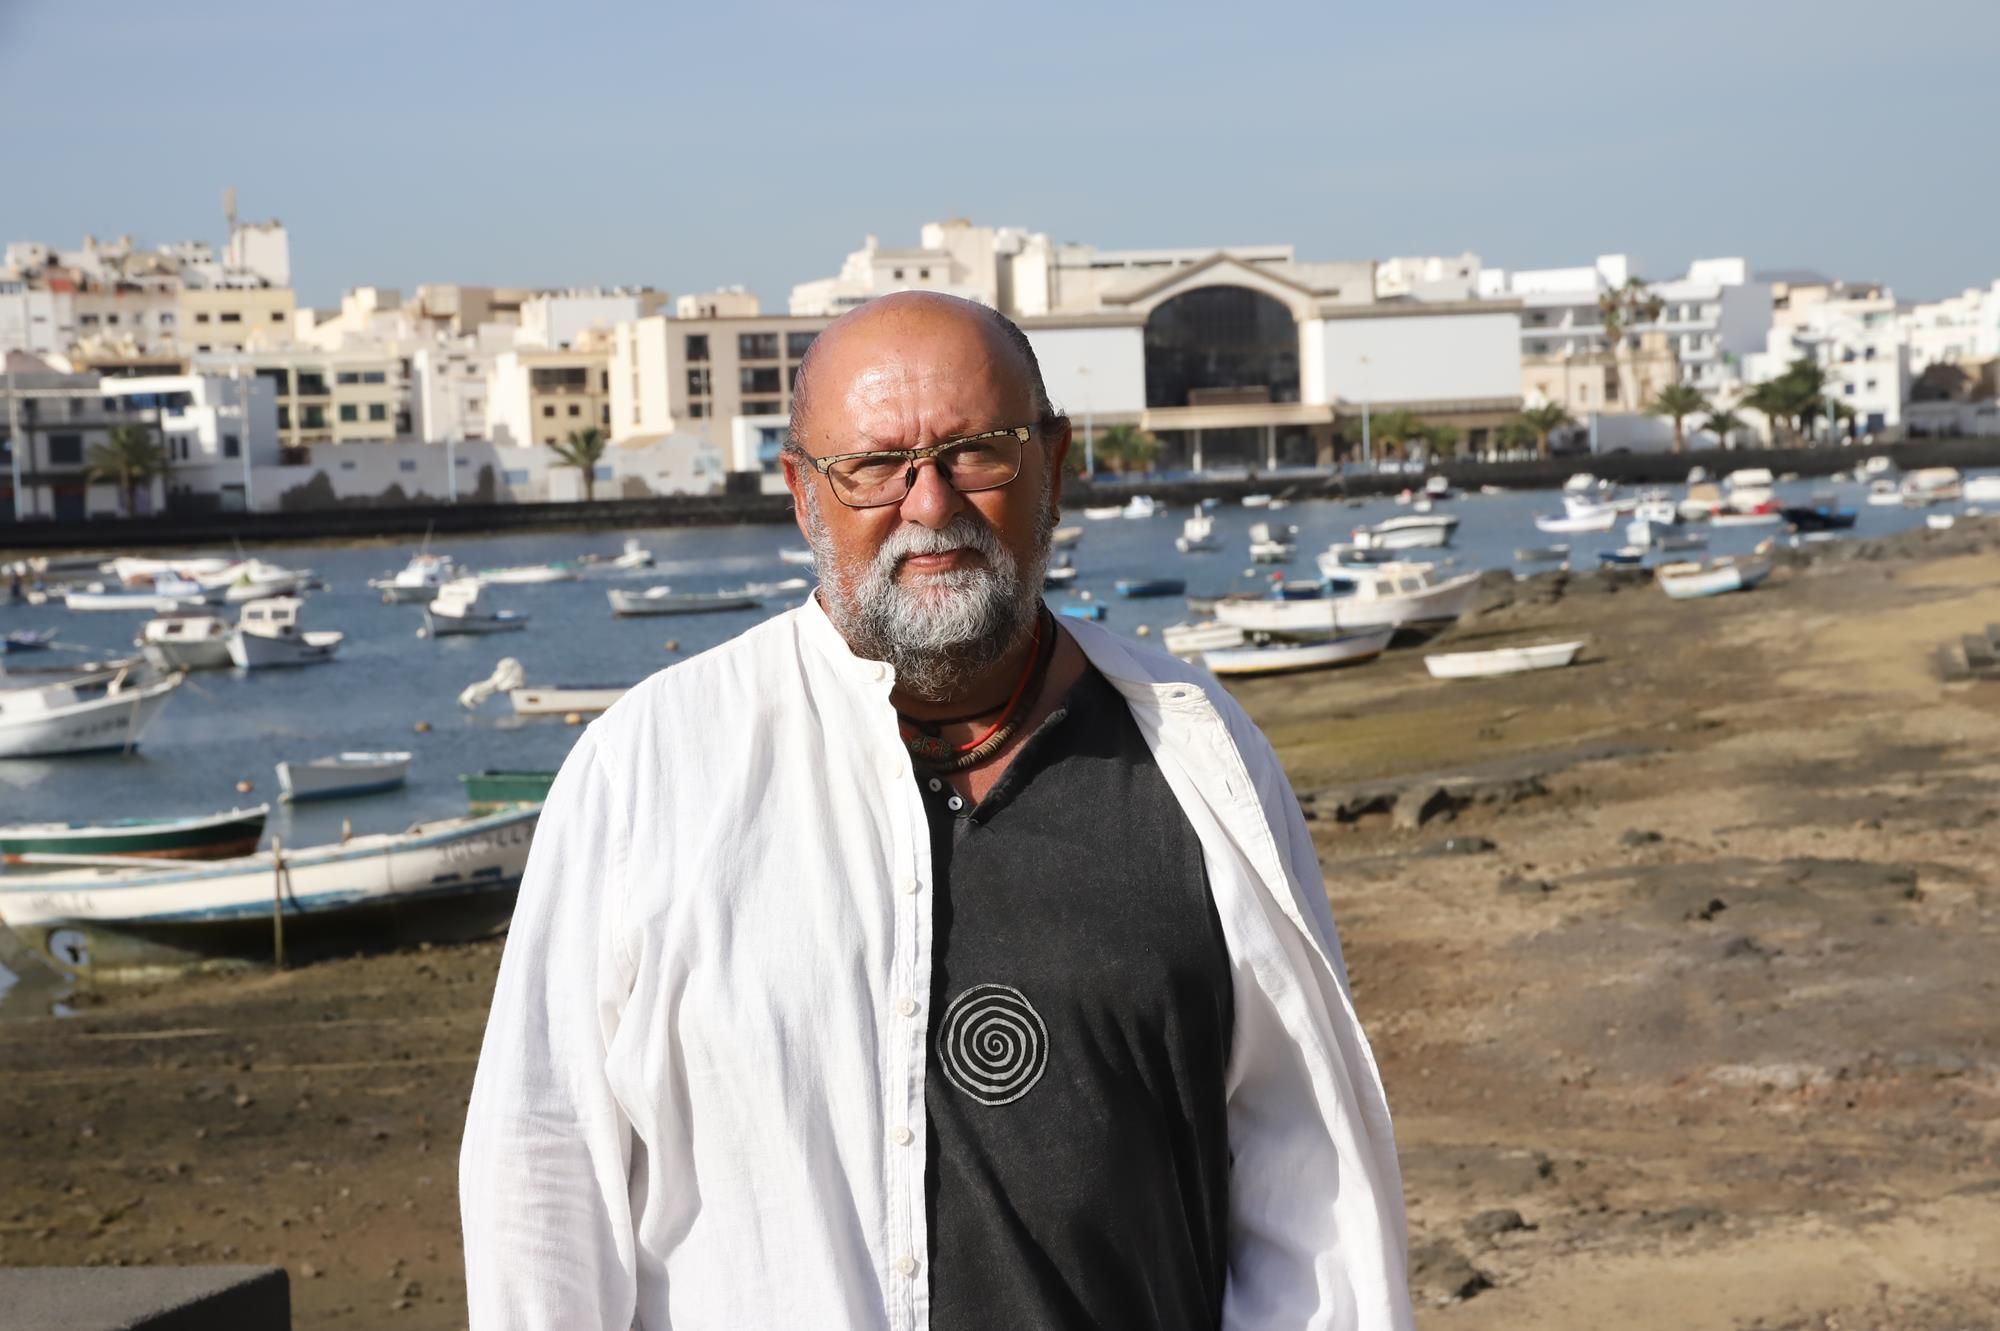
(166, 319)
(406, 464)
(757, 346)
(374, 377)
(899, 274)
(758, 379)
(232, 317)
(796, 344)
(697, 410)
(347, 377)
(575, 410)
(1870, 385)
(548, 410)
(284, 417)
(87, 320)
(65, 450)
(111, 319)
(697, 346)
(603, 472)
(201, 317)
(516, 476)
(763, 407)
(923, 272)
(349, 412)
(315, 418)
(378, 411)
(1849, 390)
(698, 382)
(231, 446)
(204, 347)
(277, 316)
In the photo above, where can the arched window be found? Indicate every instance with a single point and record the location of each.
(1221, 338)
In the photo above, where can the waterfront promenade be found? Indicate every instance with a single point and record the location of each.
(1677, 963)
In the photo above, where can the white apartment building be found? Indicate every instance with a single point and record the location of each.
(1429, 277)
(216, 432)
(540, 396)
(1711, 318)
(34, 319)
(1863, 348)
(731, 302)
(1959, 330)
(559, 319)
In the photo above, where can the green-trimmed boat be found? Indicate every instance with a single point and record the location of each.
(496, 789)
(214, 836)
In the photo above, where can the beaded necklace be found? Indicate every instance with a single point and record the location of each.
(935, 754)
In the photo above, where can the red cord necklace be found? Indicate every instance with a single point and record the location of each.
(934, 753)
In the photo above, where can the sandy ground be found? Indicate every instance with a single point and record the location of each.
(1684, 991)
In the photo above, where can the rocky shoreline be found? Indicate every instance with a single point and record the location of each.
(1678, 964)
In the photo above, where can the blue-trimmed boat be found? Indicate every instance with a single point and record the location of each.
(108, 915)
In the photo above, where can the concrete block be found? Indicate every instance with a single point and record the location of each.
(145, 1298)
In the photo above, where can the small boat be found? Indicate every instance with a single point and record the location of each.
(797, 555)
(1099, 512)
(1624, 556)
(634, 555)
(1982, 490)
(94, 713)
(1885, 494)
(1583, 482)
(443, 881)
(417, 581)
(1493, 489)
(1417, 532)
(1932, 485)
(1135, 588)
(1393, 596)
(1283, 658)
(268, 634)
(527, 575)
(1194, 639)
(459, 609)
(1501, 661)
(214, 836)
(1703, 501)
(342, 776)
(254, 580)
(1819, 517)
(1541, 554)
(185, 642)
(1066, 536)
(135, 571)
(167, 594)
(1879, 465)
(1338, 559)
(667, 601)
(26, 640)
(1139, 506)
(1761, 517)
(1273, 543)
(1083, 610)
(1939, 521)
(1601, 520)
(1438, 487)
(496, 788)
(1197, 535)
(1684, 582)
(1057, 576)
(1256, 501)
(565, 699)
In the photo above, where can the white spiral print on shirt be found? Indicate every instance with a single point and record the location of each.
(994, 1046)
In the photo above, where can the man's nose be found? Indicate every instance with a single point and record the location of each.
(931, 501)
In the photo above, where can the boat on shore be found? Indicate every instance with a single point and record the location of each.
(1194, 639)
(495, 789)
(443, 881)
(1502, 660)
(105, 712)
(1285, 658)
(666, 601)
(1392, 596)
(214, 836)
(1692, 581)
(268, 635)
(342, 776)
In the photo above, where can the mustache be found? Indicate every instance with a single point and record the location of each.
(963, 532)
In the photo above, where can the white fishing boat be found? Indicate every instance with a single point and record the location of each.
(634, 555)
(1501, 660)
(1684, 582)
(803, 558)
(1100, 512)
(460, 609)
(1194, 639)
(1603, 519)
(1885, 494)
(1339, 560)
(1197, 535)
(440, 881)
(1932, 485)
(185, 642)
(268, 634)
(1658, 508)
(1139, 506)
(417, 581)
(666, 601)
(527, 575)
(1416, 532)
(168, 593)
(342, 776)
(1066, 536)
(255, 580)
(1982, 490)
(1703, 501)
(136, 571)
(1939, 521)
(1283, 658)
(105, 712)
(1273, 542)
(1256, 501)
(1394, 596)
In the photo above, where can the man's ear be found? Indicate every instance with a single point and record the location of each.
(1057, 453)
(796, 481)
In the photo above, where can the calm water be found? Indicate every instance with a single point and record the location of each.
(226, 726)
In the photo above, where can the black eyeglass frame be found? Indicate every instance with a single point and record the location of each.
(935, 455)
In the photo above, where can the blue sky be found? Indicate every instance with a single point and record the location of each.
(687, 147)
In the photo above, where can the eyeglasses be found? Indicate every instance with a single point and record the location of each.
(884, 476)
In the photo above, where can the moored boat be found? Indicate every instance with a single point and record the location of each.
(1690, 581)
(185, 642)
(440, 881)
(1603, 519)
(105, 712)
(1135, 588)
(1197, 534)
(1417, 532)
(1501, 660)
(1273, 542)
(417, 581)
(527, 575)
(1284, 658)
(26, 640)
(498, 788)
(667, 601)
(460, 609)
(1082, 610)
(268, 635)
(342, 776)
(211, 836)
(564, 699)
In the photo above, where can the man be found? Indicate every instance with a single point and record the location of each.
(915, 961)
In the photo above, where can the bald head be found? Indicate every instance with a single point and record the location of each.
(852, 344)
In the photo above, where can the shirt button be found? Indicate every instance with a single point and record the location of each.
(906, 1265)
(906, 1007)
(908, 887)
(936, 784)
(902, 1136)
(954, 804)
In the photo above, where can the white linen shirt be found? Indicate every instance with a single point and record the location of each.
(700, 1103)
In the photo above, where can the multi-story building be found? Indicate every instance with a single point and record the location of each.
(216, 432)
(1429, 277)
(1597, 381)
(1959, 330)
(327, 397)
(559, 319)
(1711, 318)
(37, 318)
(53, 418)
(543, 395)
(233, 318)
(700, 375)
(1860, 344)
(723, 303)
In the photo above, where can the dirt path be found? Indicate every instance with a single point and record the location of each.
(1686, 1010)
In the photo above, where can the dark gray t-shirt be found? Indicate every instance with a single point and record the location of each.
(1082, 1009)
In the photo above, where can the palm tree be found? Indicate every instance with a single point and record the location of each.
(583, 451)
(131, 457)
(1722, 423)
(1395, 429)
(1678, 402)
(1770, 400)
(1127, 448)
(1545, 420)
(1442, 440)
(1514, 434)
(1623, 307)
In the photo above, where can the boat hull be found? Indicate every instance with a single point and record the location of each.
(633, 605)
(1501, 661)
(1407, 534)
(222, 837)
(301, 783)
(492, 791)
(112, 724)
(561, 701)
(254, 651)
(459, 626)
(1280, 660)
(212, 654)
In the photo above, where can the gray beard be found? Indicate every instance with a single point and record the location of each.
(938, 633)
